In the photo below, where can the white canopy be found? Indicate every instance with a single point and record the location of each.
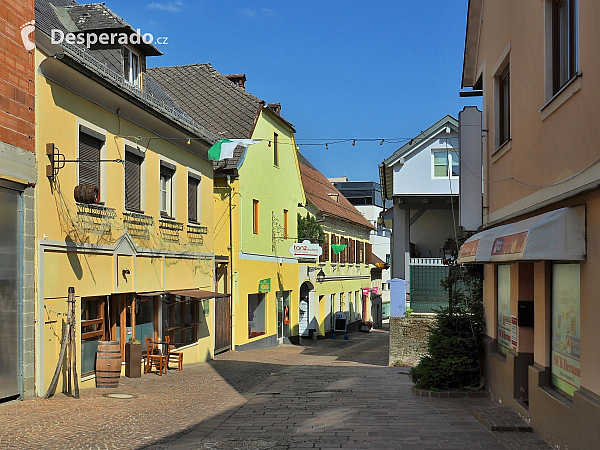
(556, 235)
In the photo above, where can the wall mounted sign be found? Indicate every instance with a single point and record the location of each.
(264, 285)
(305, 249)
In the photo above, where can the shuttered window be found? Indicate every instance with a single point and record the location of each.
(89, 160)
(133, 181)
(334, 257)
(325, 247)
(344, 253)
(193, 184)
(368, 253)
(352, 255)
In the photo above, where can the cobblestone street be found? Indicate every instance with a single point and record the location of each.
(323, 394)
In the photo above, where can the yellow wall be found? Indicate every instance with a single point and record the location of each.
(73, 250)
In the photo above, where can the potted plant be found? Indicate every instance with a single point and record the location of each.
(366, 325)
(133, 359)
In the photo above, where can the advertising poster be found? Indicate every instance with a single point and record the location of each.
(504, 316)
(565, 327)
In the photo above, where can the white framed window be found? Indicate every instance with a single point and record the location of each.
(445, 164)
(194, 197)
(166, 191)
(131, 66)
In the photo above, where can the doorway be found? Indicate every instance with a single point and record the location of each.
(303, 316)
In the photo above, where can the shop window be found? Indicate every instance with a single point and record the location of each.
(144, 319)
(504, 317)
(256, 315)
(92, 330)
(566, 331)
(180, 319)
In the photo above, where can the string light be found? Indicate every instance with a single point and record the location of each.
(353, 142)
(381, 143)
(189, 141)
(326, 146)
(269, 143)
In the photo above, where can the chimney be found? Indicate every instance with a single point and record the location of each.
(239, 79)
(276, 107)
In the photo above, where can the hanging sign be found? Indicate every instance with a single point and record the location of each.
(305, 249)
(264, 285)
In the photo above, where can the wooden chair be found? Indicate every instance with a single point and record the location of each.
(173, 356)
(159, 361)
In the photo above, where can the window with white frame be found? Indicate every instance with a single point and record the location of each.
(445, 163)
(167, 172)
(131, 66)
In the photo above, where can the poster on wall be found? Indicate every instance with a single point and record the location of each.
(504, 316)
(565, 327)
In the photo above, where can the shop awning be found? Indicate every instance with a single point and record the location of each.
(198, 293)
(557, 235)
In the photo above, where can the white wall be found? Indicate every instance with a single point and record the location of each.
(415, 176)
(431, 230)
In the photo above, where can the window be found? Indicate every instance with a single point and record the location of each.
(90, 145)
(193, 199)
(446, 163)
(256, 315)
(286, 228)
(255, 216)
(504, 106)
(92, 330)
(133, 179)
(504, 317)
(325, 249)
(566, 330)
(180, 319)
(131, 66)
(276, 149)
(167, 171)
(564, 42)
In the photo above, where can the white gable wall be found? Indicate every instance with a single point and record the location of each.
(415, 176)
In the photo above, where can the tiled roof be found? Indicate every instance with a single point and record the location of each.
(95, 16)
(330, 202)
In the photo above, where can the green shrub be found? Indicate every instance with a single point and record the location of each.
(455, 346)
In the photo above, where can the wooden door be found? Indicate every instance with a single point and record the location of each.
(222, 324)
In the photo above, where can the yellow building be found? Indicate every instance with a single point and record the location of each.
(257, 193)
(347, 271)
(124, 203)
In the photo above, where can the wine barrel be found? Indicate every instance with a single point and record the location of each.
(108, 364)
(86, 193)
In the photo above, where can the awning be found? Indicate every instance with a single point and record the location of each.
(198, 294)
(557, 235)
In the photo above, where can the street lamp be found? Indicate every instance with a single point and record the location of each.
(320, 276)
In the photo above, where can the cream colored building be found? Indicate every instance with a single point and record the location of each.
(537, 65)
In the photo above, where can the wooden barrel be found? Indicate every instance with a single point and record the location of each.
(108, 364)
(86, 193)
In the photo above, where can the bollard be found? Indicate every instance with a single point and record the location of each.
(346, 337)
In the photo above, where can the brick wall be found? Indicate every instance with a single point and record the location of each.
(408, 339)
(17, 88)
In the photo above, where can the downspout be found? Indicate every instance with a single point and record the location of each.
(231, 276)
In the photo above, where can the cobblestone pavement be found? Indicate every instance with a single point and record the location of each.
(323, 394)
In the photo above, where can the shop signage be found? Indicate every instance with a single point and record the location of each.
(264, 285)
(508, 245)
(305, 249)
(365, 291)
(513, 337)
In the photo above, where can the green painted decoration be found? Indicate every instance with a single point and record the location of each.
(337, 248)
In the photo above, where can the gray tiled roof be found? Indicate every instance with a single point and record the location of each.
(210, 98)
(95, 16)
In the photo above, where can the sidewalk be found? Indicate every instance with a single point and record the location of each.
(323, 394)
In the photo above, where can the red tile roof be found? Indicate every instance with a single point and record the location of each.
(330, 202)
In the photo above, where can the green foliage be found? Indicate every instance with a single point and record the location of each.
(408, 312)
(310, 229)
(455, 346)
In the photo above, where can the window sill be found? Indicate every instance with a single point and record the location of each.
(502, 150)
(564, 94)
(166, 216)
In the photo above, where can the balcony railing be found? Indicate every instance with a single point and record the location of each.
(169, 229)
(138, 225)
(95, 218)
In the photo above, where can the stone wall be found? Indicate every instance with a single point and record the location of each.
(408, 338)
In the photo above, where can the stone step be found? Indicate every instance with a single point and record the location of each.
(498, 418)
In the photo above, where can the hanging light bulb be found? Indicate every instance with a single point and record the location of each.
(326, 146)
(353, 142)
(411, 141)
(189, 141)
(269, 143)
(381, 143)
(297, 148)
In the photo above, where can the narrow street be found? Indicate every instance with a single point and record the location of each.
(322, 394)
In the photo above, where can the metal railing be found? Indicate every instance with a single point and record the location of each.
(426, 291)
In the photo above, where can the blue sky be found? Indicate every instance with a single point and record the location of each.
(341, 69)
